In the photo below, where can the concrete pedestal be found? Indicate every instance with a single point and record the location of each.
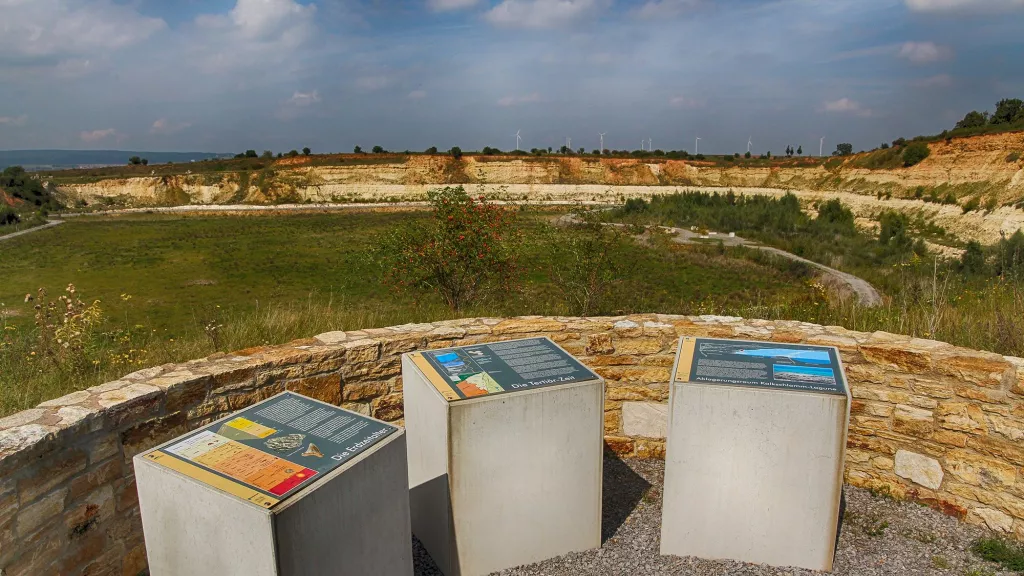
(754, 463)
(505, 454)
(288, 487)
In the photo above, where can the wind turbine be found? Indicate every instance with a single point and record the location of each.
(750, 142)
(568, 143)
(650, 145)
(696, 145)
(821, 147)
(602, 141)
(517, 140)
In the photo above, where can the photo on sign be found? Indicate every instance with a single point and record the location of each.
(808, 374)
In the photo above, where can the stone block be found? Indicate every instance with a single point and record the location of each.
(98, 506)
(388, 408)
(639, 346)
(97, 476)
(145, 435)
(652, 449)
(613, 422)
(40, 513)
(978, 470)
(645, 419)
(360, 391)
(50, 472)
(981, 368)
(990, 517)
(527, 326)
(326, 388)
(632, 393)
(912, 421)
(960, 416)
(627, 329)
(897, 355)
(134, 562)
(619, 445)
(920, 469)
(187, 393)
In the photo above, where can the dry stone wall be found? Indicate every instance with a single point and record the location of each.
(931, 422)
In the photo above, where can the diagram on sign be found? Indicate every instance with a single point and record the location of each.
(501, 367)
(270, 447)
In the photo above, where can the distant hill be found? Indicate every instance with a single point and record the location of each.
(51, 159)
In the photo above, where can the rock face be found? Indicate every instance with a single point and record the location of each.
(929, 421)
(977, 164)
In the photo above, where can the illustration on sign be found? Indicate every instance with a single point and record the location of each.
(276, 447)
(487, 369)
(761, 364)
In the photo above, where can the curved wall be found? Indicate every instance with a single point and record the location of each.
(931, 422)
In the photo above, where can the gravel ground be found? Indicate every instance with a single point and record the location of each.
(879, 536)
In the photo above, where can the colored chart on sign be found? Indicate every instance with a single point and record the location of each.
(500, 367)
(275, 447)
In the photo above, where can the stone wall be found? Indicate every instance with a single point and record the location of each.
(932, 422)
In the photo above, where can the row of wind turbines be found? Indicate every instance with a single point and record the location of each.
(650, 143)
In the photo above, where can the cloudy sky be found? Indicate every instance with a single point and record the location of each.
(227, 75)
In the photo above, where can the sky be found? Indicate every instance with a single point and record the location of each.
(231, 75)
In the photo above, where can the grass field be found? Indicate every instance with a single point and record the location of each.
(174, 287)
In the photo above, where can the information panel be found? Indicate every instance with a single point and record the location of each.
(761, 364)
(500, 367)
(269, 451)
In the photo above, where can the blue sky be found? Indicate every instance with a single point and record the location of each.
(227, 75)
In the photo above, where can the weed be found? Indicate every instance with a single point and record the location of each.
(922, 536)
(979, 571)
(1009, 555)
(940, 562)
(876, 528)
(1012, 157)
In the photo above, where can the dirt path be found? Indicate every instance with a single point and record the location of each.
(866, 293)
(49, 224)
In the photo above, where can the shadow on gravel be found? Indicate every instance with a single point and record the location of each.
(623, 490)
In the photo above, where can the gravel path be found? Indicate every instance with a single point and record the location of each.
(880, 536)
(49, 224)
(866, 293)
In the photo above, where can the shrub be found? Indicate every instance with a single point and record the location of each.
(357, 150)
(1008, 554)
(456, 152)
(431, 150)
(8, 216)
(306, 151)
(972, 261)
(467, 251)
(915, 153)
(971, 205)
(1012, 157)
(586, 263)
(893, 231)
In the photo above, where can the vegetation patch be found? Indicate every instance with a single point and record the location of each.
(1009, 555)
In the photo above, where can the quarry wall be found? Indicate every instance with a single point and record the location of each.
(930, 422)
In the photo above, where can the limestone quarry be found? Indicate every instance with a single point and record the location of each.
(983, 168)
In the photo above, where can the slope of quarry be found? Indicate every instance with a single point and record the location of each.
(986, 169)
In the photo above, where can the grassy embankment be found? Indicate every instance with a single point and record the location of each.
(977, 303)
(173, 288)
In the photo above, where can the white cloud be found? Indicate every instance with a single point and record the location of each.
(846, 106)
(542, 13)
(164, 126)
(444, 5)
(251, 34)
(97, 135)
(13, 120)
(67, 28)
(964, 5)
(684, 102)
(666, 8)
(303, 99)
(519, 100)
(924, 52)
(417, 95)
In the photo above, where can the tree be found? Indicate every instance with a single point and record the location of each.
(893, 231)
(135, 160)
(581, 151)
(844, 149)
(899, 142)
(377, 150)
(736, 155)
(145, 162)
(769, 155)
(973, 119)
(466, 251)
(972, 261)
(293, 153)
(549, 149)
(268, 155)
(1008, 111)
(587, 262)
(800, 151)
(884, 146)
(456, 152)
(306, 151)
(357, 150)
(915, 153)
(834, 214)
(431, 150)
